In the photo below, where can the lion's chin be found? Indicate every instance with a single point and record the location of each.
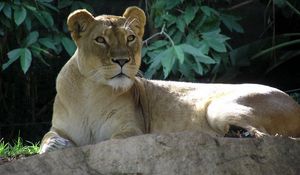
(120, 83)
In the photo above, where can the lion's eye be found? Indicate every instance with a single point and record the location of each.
(130, 38)
(100, 40)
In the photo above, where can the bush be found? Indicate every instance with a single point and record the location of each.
(34, 30)
(34, 45)
(190, 41)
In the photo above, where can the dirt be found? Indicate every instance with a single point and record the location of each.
(4, 160)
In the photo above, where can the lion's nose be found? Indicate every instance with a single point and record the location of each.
(120, 62)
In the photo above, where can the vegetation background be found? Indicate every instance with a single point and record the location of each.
(228, 41)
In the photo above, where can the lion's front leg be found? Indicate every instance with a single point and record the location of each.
(52, 141)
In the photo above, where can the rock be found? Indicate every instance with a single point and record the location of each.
(175, 153)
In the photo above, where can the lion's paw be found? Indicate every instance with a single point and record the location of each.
(248, 132)
(55, 143)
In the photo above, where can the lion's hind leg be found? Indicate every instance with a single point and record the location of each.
(244, 132)
(232, 117)
(52, 141)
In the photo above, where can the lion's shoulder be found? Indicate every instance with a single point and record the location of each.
(69, 77)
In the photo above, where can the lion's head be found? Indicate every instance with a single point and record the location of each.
(108, 47)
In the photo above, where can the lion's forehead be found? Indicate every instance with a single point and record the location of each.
(115, 35)
(110, 20)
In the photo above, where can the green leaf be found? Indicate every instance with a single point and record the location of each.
(6, 22)
(204, 47)
(201, 22)
(196, 52)
(208, 11)
(157, 44)
(28, 24)
(13, 55)
(30, 8)
(230, 22)
(20, 14)
(69, 45)
(179, 53)
(154, 66)
(178, 37)
(48, 18)
(7, 11)
(198, 68)
(215, 40)
(47, 4)
(205, 60)
(40, 18)
(64, 3)
(189, 14)
(144, 51)
(25, 59)
(44, 18)
(180, 24)
(169, 18)
(2, 4)
(47, 42)
(186, 70)
(30, 39)
(158, 22)
(17, 2)
(36, 50)
(216, 45)
(164, 58)
(167, 60)
(210, 23)
(172, 4)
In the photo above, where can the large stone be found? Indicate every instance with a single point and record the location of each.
(176, 153)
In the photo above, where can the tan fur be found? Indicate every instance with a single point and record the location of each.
(93, 104)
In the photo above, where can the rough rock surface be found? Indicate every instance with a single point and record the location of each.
(176, 153)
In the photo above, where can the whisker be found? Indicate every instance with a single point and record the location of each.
(95, 74)
(131, 22)
(96, 69)
(125, 23)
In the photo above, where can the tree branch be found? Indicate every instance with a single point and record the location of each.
(162, 32)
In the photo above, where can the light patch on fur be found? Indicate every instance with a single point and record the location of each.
(120, 83)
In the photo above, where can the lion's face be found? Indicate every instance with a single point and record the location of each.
(108, 47)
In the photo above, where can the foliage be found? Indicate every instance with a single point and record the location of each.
(18, 148)
(30, 30)
(272, 51)
(191, 42)
(34, 39)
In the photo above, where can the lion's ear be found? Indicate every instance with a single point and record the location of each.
(78, 22)
(137, 18)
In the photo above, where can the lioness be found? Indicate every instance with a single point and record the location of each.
(99, 96)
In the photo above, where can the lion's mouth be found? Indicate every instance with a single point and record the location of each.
(120, 75)
(120, 81)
